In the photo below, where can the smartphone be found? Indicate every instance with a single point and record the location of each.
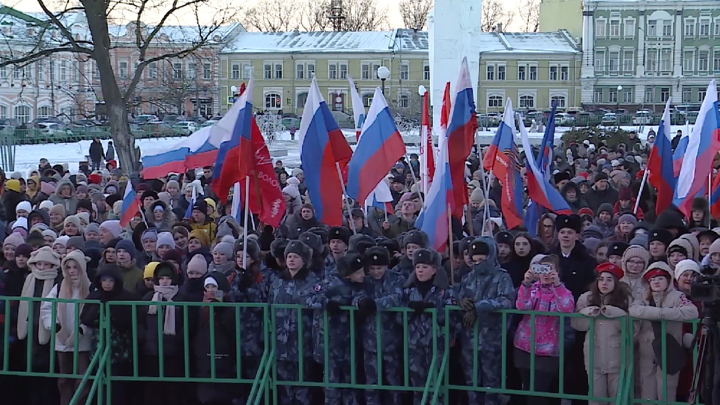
(541, 268)
(219, 295)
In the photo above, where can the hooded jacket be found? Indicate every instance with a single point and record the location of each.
(579, 202)
(70, 203)
(596, 198)
(168, 218)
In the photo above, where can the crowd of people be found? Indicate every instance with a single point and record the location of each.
(63, 239)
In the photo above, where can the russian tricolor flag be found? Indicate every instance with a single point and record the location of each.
(543, 162)
(381, 198)
(358, 109)
(130, 205)
(379, 147)
(703, 145)
(321, 147)
(461, 136)
(235, 158)
(503, 159)
(660, 163)
(190, 153)
(433, 219)
(539, 189)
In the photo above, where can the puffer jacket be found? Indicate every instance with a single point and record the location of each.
(209, 227)
(608, 331)
(69, 203)
(540, 297)
(168, 218)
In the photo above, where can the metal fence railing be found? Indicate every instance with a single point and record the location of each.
(258, 353)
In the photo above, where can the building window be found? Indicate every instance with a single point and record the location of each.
(597, 96)
(716, 61)
(526, 102)
(207, 72)
(332, 71)
(717, 28)
(501, 72)
(273, 101)
(701, 95)
(564, 73)
(299, 71)
(235, 71)
(22, 114)
(688, 61)
(152, 71)
(629, 28)
(43, 112)
(278, 70)
(628, 61)
(490, 75)
(367, 99)
(690, 28)
(27, 73)
(553, 72)
(667, 28)
(3, 72)
(16, 72)
(664, 94)
(560, 100)
(337, 70)
(627, 96)
(247, 71)
(703, 61)
(600, 28)
(613, 96)
(651, 64)
(426, 72)
(404, 71)
(63, 71)
(192, 70)
(52, 71)
(302, 99)
(3, 112)
(614, 61)
(615, 28)
(686, 94)
(495, 102)
(41, 71)
(704, 28)
(310, 70)
(533, 72)
(666, 60)
(123, 69)
(652, 28)
(650, 95)
(75, 72)
(177, 71)
(267, 71)
(365, 71)
(600, 61)
(522, 72)
(403, 100)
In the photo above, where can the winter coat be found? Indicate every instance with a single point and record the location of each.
(375, 219)
(148, 325)
(110, 154)
(549, 298)
(97, 154)
(70, 203)
(85, 342)
(225, 345)
(209, 227)
(638, 286)
(400, 225)
(596, 198)
(130, 275)
(579, 202)
(10, 200)
(608, 341)
(168, 218)
(295, 225)
(577, 271)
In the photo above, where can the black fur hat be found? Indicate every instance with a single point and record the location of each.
(300, 249)
(322, 232)
(277, 248)
(377, 256)
(339, 232)
(253, 249)
(349, 264)
(313, 240)
(573, 222)
(419, 238)
(361, 242)
(427, 256)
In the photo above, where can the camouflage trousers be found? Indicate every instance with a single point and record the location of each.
(488, 371)
(339, 373)
(391, 373)
(290, 371)
(420, 358)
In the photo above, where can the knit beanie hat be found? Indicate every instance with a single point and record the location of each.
(14, 240)
(73, 219)
(45, 254)
(714, 248)
(61, 240)
(92, 227)
(127, 246)
(58, 209)
(198, 264)
(24, 250)
(23, 206)
(628, 218)
(50, 233)
(149, 271)
(46, 205)
(165, 239)
(13, 185)
(173, 183)
(201, 236)
(683, 266)
(224, 248)
(149, 234)
(637, 252)
(640, 239)
(477, 195)
(20, 223)
(112, 226)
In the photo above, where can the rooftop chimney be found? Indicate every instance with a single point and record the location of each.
(499, 27)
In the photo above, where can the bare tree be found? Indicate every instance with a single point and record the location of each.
(494, 12)
(314, 15)
(528, 14)
(272, 16)
(364, 15)
(414, 12)
(150, 43)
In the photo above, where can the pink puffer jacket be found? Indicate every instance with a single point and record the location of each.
(546, 298)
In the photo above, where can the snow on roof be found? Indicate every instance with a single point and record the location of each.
(317, 42)
(546, 42)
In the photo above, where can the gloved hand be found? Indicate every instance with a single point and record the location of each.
(333, 307)
(367, 306)
(469, 319)
(467, 304)
(417, 306)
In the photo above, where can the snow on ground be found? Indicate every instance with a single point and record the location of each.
(27, 157)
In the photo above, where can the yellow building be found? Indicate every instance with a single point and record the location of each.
(562, 14)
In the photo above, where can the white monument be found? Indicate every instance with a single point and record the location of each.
(453, 33)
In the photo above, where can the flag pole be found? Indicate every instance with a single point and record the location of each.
(642, 187)
(423, 147)
(450, 247)
(245, 223)
(342, 184)
(420, 192)
(486, 189)
(710, 197)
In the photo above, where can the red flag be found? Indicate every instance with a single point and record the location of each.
(427, 154)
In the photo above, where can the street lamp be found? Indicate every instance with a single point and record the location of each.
(422, 90)
(233, 91)
(383, 74)
(617, 110)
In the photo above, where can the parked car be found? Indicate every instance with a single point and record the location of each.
(186, 127)
(9, 124)
(564, 119)
(211, 121)
(494, 119)
(538, 116)
(52, 129)
(142, 119)
(610, 119)
(643, 117)
(171, 119)
(288, 122)
(157, 129)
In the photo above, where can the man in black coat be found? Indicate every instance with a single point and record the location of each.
(97, 154)
(600, 193)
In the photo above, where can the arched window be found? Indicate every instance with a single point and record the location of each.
(560, 100)
(22, 114)
(44, 112)
(495, 101)
(527, 102)
(273, 101)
